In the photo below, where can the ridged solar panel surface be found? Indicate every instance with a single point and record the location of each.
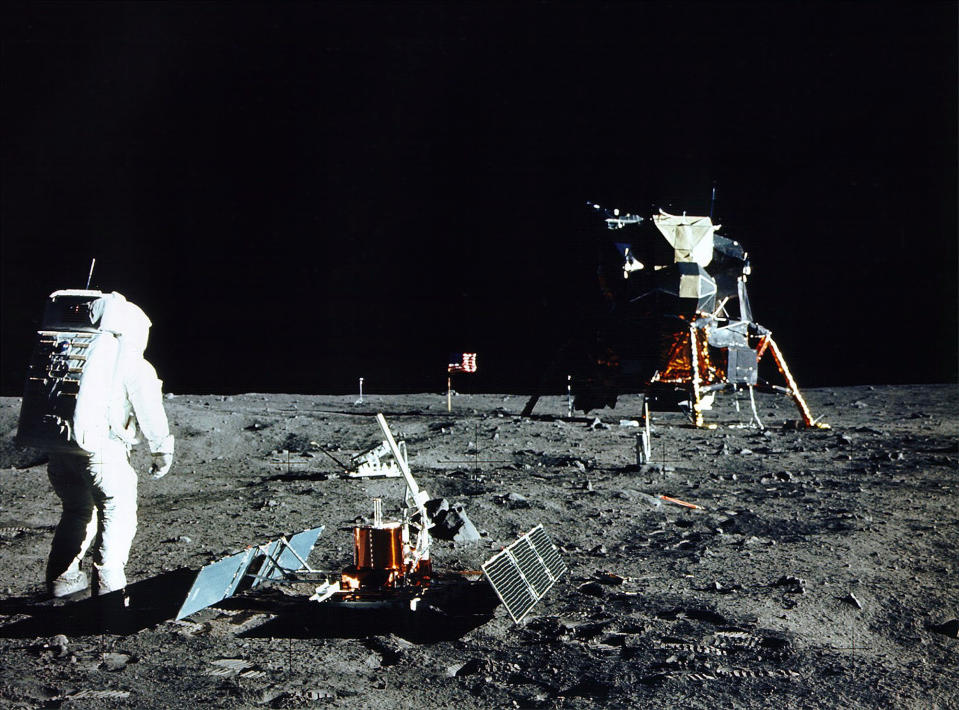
(523, 572)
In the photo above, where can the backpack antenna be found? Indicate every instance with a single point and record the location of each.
(90, 275)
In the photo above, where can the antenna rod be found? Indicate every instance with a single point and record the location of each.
(712, 201)
(90, 275)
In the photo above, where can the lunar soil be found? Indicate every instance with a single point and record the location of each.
(820, 570)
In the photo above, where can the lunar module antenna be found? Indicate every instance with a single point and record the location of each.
(712, 202)
(90, 275)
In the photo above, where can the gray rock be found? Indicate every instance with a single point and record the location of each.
(948, 628)
(593, 589)
(115, 661)
(851, 599)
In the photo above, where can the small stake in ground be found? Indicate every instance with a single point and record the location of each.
(360, 400)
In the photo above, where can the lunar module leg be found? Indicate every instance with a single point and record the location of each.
(792, 389)
(694, 398)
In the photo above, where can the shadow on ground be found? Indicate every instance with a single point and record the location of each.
(144, 604)
(445, 617)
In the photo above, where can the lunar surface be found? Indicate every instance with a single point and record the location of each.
(819, 570)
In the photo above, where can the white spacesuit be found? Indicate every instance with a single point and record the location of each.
(94, 479)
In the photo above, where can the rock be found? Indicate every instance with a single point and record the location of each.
(851, 599)
(512, 500)
(589, 687)
(597, 423)
(184, 539)
(745, 452)
(115, 661)
(609, 578)
(458, 670)
(599, 551)
(794, 585)
(59, 644)
(948, 628)
(593, 589)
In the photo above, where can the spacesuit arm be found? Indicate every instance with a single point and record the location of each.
(145, 391)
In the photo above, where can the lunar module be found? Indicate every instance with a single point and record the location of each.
(676, 322)
(392, 567)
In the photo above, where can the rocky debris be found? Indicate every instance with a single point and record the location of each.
(597, 423)
(810, 527)
(948, 628)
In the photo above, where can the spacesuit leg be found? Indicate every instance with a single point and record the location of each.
(77, 526)
(115, 496)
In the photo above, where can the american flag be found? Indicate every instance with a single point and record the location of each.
(462, 362)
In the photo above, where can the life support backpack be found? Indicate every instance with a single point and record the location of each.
(71, 374)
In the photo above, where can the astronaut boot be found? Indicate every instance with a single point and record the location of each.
(68, 583)
(110, 579)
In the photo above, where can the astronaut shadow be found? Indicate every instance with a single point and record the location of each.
(445, 617)
(143, 604)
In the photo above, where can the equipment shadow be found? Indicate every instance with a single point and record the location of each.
(142, 605)
(436, 619)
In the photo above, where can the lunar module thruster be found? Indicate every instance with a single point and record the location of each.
(676, 323)
(392, 566)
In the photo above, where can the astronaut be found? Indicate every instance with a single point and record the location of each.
(94, 479)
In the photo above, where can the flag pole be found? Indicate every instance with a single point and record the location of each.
(449, 388)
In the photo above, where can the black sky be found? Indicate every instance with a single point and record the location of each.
(302, 194)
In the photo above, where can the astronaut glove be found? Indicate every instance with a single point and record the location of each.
(161, 465)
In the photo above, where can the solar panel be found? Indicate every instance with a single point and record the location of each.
(274, 560)
(523, 572)
(216, 581)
